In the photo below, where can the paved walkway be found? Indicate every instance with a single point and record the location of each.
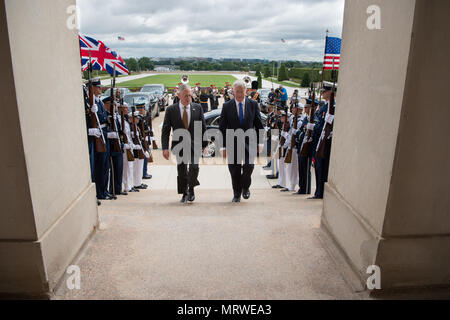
(150, 246)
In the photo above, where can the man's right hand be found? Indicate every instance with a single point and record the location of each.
(224, 153)
(166, 154)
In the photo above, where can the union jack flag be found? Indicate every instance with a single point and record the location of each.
(332, 50)
(102, 57)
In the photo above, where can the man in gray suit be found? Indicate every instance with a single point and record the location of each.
(183, 118)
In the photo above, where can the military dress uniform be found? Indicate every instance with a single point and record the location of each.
(319, 163)
(102, 158)
(204, 101)
(128, 166)
(292, 168)
(116, 158)
(305, 162)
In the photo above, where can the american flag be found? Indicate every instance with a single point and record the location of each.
(332, 50)
(102, 57)
(282, 40)
(120, 38)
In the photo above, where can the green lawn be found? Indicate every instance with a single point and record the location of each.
(284, 83)
(172, 80)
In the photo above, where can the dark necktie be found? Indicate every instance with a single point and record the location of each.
(241, 113)
(185, 118)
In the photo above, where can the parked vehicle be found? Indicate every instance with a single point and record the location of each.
(151, 102)
(160, 92)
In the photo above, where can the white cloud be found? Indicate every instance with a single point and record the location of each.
(223, 28)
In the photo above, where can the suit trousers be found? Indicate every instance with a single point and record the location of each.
(128, 173)
(187, 177)
(241, 177)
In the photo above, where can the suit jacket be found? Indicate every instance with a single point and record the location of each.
(173, 120)
(229, 118)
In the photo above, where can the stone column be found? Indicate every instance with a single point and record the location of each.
(48, 205)
(387, 201)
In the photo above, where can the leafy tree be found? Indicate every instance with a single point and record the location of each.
(132, 64)
(282, 74)
(259, 80)
(306, 80)
(145, 63)
(267, 71)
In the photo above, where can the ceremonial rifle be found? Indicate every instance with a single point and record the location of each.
(304, 150)
(115, 142)
(320, 151)
(146, 144)
(151, 134)
(139, 154)
(288, 158)
(100, 143)
(283, 139)
(130, 156)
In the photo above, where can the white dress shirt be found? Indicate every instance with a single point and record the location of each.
(188, 110)
(243, 107)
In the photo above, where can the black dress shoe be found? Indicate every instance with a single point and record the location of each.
(236, 199)
(246, 194)
(142, 186)
(284, 190)
(271, 176)
(184, 198)
(277, 187)
(191, 196)
(148, 176)
(314, 198)
(123, 193)
(266, 167)
(134, 190)
(298, 192)
(105, 198)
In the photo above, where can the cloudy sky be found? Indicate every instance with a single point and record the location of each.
(217, 29)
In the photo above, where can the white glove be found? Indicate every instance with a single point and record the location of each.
(137, 147)
(310, 126)
(94, 108)
(329, 118)
(274, 138)
(113, 135)
(127, 146)
(94, 132)
(147, 155)
(152, 139)
(266, 128)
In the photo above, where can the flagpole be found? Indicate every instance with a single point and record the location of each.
(323, 66)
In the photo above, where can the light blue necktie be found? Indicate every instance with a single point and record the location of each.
(241, 113)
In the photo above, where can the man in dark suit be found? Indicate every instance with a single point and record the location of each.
(182, 118)
(241, 113)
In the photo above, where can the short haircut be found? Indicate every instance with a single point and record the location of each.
(184, 87)
(239, 83)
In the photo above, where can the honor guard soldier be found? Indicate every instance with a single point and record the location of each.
(305, 161)
(101, 158)
(115, 147)
(292, 166)
(128, 157)
(321, 164)
(174, 94)
(196, 93)
(275, 133)
(138, 166)
(204, 100)
(282, 150)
